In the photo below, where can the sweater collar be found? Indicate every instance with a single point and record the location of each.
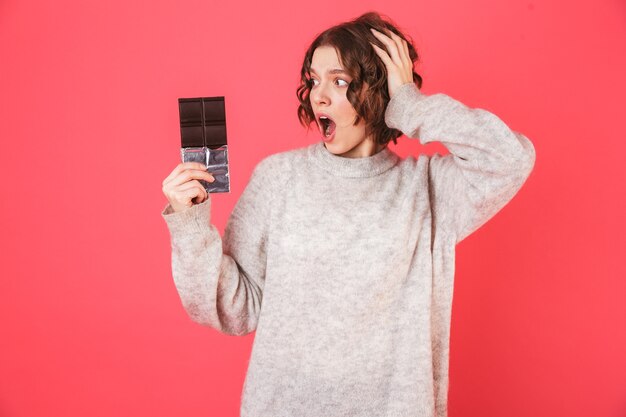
(340, 166)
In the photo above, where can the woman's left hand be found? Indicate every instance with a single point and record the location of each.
(398, 62)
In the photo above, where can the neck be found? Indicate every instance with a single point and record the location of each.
(366, 166)
(365, 149)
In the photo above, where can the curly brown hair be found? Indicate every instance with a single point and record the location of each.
(351, 41)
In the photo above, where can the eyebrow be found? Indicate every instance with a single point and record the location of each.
(332, 71)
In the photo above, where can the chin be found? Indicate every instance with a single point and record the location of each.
(336, 148)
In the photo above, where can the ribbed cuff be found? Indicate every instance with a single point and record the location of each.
(395, 116)
(195, 219)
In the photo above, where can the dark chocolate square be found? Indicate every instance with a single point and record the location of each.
(202, 121)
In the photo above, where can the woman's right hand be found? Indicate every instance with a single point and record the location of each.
(182, 187)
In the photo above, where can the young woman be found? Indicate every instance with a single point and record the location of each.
(340, 254)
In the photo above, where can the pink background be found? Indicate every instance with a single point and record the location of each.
(90, 321)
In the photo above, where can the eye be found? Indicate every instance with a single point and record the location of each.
(313, 81)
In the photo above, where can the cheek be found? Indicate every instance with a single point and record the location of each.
(346, 112)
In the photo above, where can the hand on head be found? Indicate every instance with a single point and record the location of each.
(397, 60)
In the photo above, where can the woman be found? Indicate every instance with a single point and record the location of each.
(340, 254)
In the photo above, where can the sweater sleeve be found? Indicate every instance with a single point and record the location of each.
(488, 162)
(220, 280)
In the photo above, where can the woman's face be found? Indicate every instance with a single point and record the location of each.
(329, 84)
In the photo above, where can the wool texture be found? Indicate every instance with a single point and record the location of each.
(344, 267)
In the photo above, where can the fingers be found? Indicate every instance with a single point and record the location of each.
(181, 167)
(398, 59)
(193, 189)
(391, 45)
(188, 175)
(383, 56)
(185, 195)
(406, 56)
(189, 197)
(183, 188)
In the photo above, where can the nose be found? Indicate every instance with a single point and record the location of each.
(319, 95)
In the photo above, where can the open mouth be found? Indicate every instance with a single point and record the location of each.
(327, 126)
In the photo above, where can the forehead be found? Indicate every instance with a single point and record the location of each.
(325, 60)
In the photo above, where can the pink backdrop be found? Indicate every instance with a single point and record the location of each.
(90, 321)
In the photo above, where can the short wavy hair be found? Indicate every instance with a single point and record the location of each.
(351, 41)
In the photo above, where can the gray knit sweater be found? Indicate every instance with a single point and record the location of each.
(345, 267)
